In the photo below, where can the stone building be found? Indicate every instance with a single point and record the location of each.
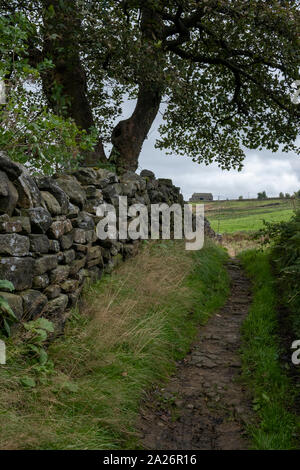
(196, 197)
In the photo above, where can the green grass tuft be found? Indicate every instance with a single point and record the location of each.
(273, 394)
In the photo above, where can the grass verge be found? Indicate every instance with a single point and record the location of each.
(132, 328)
(272, 391)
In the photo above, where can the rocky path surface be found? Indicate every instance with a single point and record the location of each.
(204, 406)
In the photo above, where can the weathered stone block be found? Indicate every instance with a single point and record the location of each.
(14, 245)
(4, 218)
(33, 303)
(51, 203)
(80, 248)
(60, 257)
(79, 236)
(102, 173)
(130, 249)
(165, 182)
(66, 241)
(44, 264)
(40, 219)
(108, 243)
(68, 226)
(93, 192)
(8, 195)
(29, 194)
(39, 243)
(90, 236)
(69, 285)
(24, 221)
(112, 192)
(84, 221)
(57, 229)
(93, 252)
(69, 256)
(12, 169)
(81, 275)
(3, 184)
(92, 205)
(17, 270)
(10, 227)
(52, 291)
(86, 175)
(74, 296)
(73, 188)
(55, 307)
(48, 184)
(54, 246)
(59, 274)
(129, 189)
(73, 211)
(41, 281)
(147, 174)
(77, 265)
(106, 255)
(95, 262)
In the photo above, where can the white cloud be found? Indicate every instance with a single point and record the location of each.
(263, 171)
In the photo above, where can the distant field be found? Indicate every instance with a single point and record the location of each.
(236, 216)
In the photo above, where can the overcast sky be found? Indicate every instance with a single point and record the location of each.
(263, 171)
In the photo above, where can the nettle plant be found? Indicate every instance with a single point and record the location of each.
(7, 315)
(36, 337)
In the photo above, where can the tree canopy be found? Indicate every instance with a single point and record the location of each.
(221, 72)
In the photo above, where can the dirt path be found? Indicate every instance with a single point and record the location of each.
(204, 406)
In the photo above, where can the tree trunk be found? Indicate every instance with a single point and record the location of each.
(65, 85)
(128, 136)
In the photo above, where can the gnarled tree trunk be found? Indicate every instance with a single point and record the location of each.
(129, 135)
(65, 85)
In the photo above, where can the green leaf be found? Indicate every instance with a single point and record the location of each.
(42, 335)
(4, 306)
(70, 387)
(7, 285)
(34, 348)
(43, 356)
(265, 397)
(45, 324)
(28, 382)
(6, 327)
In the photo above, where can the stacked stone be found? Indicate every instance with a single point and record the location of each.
(48, 242)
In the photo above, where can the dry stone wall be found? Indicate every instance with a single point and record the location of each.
(48, 242)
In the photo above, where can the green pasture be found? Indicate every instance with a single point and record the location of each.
(236, 216)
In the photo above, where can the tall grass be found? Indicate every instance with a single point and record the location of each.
(131, 329)
(273, 395)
